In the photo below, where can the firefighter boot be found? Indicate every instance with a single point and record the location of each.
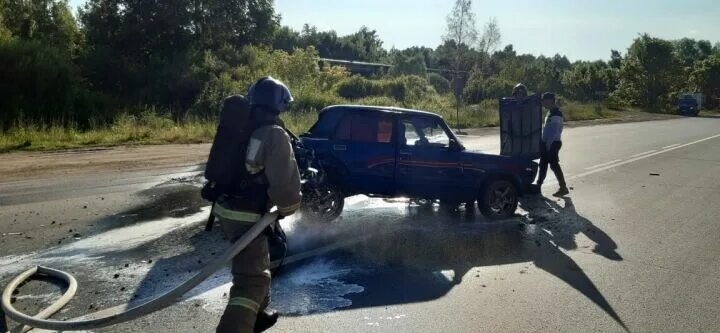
(265, 319)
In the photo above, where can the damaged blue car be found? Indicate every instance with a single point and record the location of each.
(392, 152)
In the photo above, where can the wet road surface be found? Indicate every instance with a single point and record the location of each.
(634, 247)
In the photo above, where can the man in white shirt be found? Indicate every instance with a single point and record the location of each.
(551, 144)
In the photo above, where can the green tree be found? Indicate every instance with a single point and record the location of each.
(446, 57)
(145, 51)
(586, 81)
(363, 45)
(561, 62)
(286, 39)
(706, 79)
(690, 51)
(615, 59)
(461, 26)
(4, 32)
(326, 42)
(48, 21)
(41, 83)
(428, 54)
(408, 65)
(650, 72)
(219, 22)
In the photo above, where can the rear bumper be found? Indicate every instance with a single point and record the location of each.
(526, 182)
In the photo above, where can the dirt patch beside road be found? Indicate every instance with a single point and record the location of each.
(22, 165)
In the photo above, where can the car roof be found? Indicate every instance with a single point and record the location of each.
(387, 109)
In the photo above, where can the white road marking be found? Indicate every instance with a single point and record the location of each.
(602, 165)
(671, 146)
(641, 154)
(607, 167)
(585, 174)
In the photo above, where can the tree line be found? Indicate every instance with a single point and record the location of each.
(180, 56)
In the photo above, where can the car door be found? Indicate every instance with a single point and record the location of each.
(363, 143)
(427, 167)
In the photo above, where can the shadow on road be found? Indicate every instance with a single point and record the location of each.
(424, 260)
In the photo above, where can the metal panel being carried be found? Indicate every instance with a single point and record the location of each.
(521, 127)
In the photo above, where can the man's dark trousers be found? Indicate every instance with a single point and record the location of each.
(551, 157)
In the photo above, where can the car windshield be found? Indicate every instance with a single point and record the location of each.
(422, 132)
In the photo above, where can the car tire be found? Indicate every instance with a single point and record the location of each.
(325, 206)
(498, 199)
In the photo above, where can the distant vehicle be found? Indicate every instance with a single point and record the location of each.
(393, 152)
(690, 104)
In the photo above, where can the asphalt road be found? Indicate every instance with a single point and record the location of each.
(634, 247)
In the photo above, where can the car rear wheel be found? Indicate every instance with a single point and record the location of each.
(324, 204)
(498, 199)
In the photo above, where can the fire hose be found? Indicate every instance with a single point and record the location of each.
(160, 302)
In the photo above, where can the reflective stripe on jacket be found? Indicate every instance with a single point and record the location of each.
(229, 214)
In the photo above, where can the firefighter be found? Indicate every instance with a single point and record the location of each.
(274, 181)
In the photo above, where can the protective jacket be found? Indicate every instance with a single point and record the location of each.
(269, 151)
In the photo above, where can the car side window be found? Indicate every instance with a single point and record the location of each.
(424, 132)
(365, 129)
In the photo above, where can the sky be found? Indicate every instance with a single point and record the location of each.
(579, 29)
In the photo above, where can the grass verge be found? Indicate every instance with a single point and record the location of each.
(149, 128)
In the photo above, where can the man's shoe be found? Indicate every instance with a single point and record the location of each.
(265, 319)
(563, 191)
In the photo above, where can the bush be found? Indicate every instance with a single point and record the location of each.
(378, 101)
(39, 83)
(578, 111)
(357, 87)
(410, 88)
(311, 101)
(474, 88)
(439, 83)
(403, 88)
(496, 88)
(331, 76)
(613, 102)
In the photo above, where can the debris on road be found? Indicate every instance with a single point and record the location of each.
(654, 174)
(12, 233)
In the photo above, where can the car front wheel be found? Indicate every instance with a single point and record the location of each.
(323, 204)
(498, 199)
